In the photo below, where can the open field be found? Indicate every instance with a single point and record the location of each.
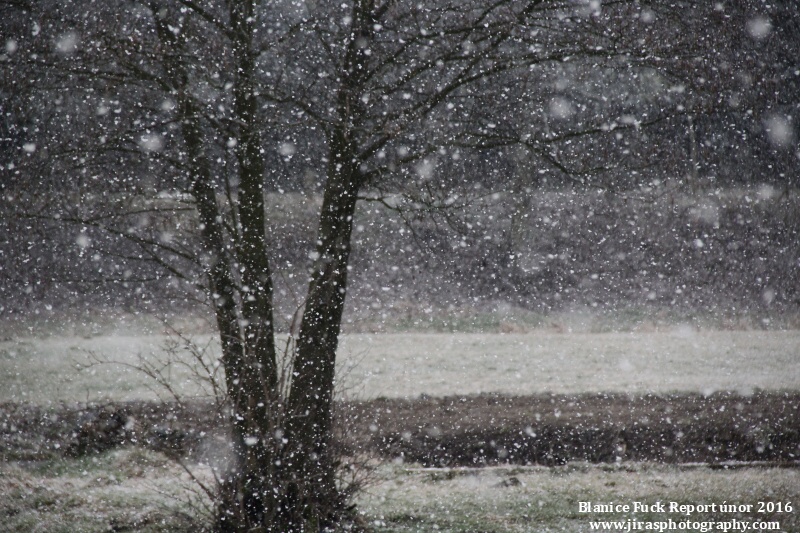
(123, 490)
(684, 448)
(134, 490)
(616, 416)
(682, 360)
(43, 370)
(543, 500)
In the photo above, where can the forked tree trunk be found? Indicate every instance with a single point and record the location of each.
(284, 478)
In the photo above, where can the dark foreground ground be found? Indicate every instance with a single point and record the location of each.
(722, 429)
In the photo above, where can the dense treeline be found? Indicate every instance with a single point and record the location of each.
(722, 116)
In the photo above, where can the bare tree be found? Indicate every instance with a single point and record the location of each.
(179, 113)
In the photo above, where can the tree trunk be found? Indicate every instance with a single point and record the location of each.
(283, 479)
(313, 500)
(243, 308)
(313, 496)
(250, 499)
(251, 387)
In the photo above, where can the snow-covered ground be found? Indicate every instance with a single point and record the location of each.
(43, 370)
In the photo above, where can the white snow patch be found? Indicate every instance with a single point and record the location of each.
(151, 142)
(83, 241)
(67, 43)
(287, 149)
(779, 130)
(759, 27)
(560, 107)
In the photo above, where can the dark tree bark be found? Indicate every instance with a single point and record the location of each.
(243, 308)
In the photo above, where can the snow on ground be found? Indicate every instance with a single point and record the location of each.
(408, 365)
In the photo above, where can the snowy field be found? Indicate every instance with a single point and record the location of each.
(43, 370)
(136, 490)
